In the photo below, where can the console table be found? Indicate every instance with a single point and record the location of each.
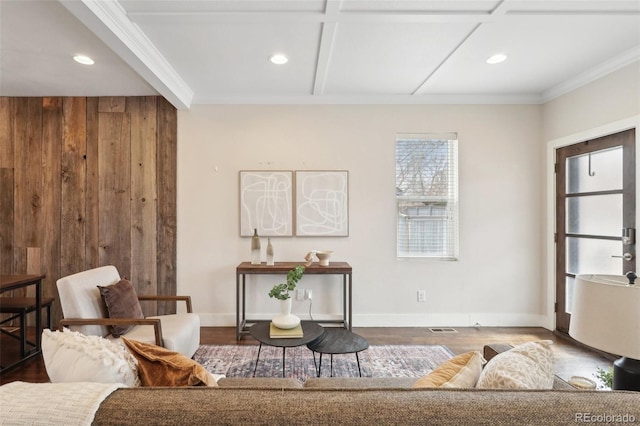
(281, 268)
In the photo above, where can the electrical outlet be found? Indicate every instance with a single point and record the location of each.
(422, 296)
(307, 294)
(300, 294)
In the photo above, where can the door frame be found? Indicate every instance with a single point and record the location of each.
(549, 316)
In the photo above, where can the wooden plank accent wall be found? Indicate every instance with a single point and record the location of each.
(73, 182)
(166, 166)
(86, 182)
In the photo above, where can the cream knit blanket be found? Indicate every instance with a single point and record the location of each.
(52, 403)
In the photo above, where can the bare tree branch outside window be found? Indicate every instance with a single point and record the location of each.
(426, 195)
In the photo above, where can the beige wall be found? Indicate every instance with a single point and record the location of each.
(502, 277)
(605, 106)
(609, 99)
(497, 280)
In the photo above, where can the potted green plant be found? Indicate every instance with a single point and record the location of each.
(281, 291)
(605, 377)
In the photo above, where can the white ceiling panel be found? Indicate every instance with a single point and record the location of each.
(147, 7)
(219, 59)
(365, 55)
(565, 6)
(568, 46)
(416, 6)
(340, 51)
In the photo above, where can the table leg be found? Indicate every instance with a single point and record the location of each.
(358, 361)
(23, 334)
(38, 315)
(238, 306)
(284, 349)
(243, 317)
(315, 365)
(257, 358)
(320, 365)
(344, 302)
(331, 365)
(350, 301)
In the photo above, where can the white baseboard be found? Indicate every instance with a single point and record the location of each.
(407, 320)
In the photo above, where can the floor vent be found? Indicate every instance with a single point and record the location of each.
(443, 330)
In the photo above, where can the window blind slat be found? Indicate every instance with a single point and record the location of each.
(427, 196)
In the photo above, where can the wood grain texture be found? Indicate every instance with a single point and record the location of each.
(114, 197)
(28, 172)
(73, 186)
(19, 266)
(6, 185)
(92, 240)
(51, 196)
(6, 132)
(80, 184)
(167, 143)
(144, 272)
(6, 220)
(112, 104)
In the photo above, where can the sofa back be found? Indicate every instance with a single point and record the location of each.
(375, 406)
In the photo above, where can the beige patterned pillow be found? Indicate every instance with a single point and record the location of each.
(461, 371)
(527, 366)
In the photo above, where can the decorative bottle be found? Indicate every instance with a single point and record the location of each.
(270, 261)
(255, 247)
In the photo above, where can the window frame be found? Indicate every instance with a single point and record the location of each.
(447, 222)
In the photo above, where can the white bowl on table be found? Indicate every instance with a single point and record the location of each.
(323, 257)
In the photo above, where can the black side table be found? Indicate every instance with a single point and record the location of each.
(338, 341)
(260, 331)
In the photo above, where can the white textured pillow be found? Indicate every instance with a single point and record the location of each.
(527, 366)
(70, 356)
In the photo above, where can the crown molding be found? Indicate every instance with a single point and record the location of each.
(440, 99)
(593, 74)
(109, 21)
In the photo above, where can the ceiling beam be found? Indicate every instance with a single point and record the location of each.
(327, 37)
(110, 23)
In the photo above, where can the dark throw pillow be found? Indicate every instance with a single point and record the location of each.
(121, 301)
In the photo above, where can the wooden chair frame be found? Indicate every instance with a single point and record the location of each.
(155, 322)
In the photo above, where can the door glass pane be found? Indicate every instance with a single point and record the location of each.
(590, 256)
(595, 215)
(568, 300)
(606, 168)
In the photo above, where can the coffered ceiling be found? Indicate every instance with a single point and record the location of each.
(339, 51)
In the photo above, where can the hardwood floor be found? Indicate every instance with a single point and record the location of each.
(572, 359)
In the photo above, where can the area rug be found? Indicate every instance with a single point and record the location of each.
(377, 361)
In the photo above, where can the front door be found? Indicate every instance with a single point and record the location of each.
(595, 207)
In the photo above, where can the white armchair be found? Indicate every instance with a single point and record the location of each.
(83, 311)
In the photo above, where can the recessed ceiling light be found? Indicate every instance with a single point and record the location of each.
(497, 58)
(278, 59)
(83, 59)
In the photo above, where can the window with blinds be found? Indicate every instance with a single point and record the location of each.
(427, 195)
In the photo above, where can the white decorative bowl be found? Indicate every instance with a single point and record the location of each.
(323, 257)
(286, 322)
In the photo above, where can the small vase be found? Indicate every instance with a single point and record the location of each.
(286, 319)
(270, 260)
(255, 248)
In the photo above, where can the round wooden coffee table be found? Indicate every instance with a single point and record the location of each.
(338, 341)
(260, 331)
